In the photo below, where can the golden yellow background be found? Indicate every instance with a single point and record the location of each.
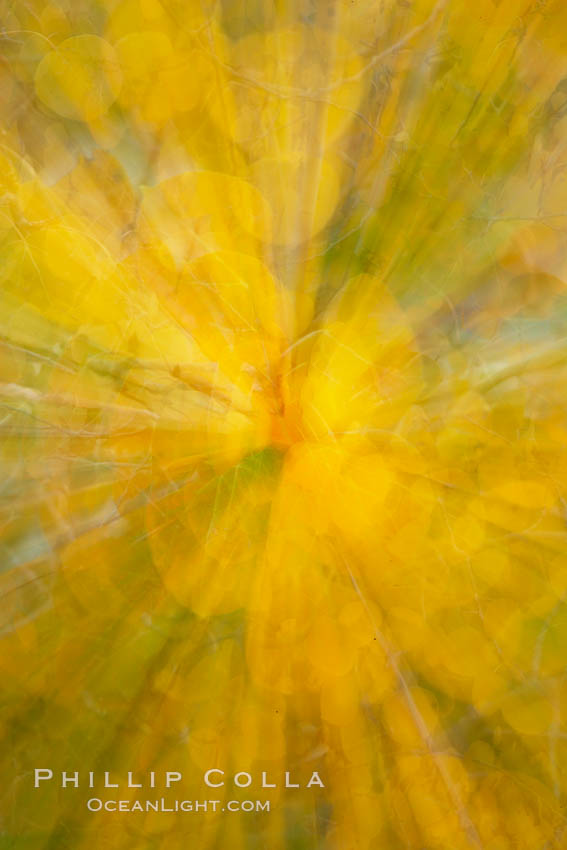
(283, 424)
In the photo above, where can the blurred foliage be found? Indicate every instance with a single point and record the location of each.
(282, 407)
